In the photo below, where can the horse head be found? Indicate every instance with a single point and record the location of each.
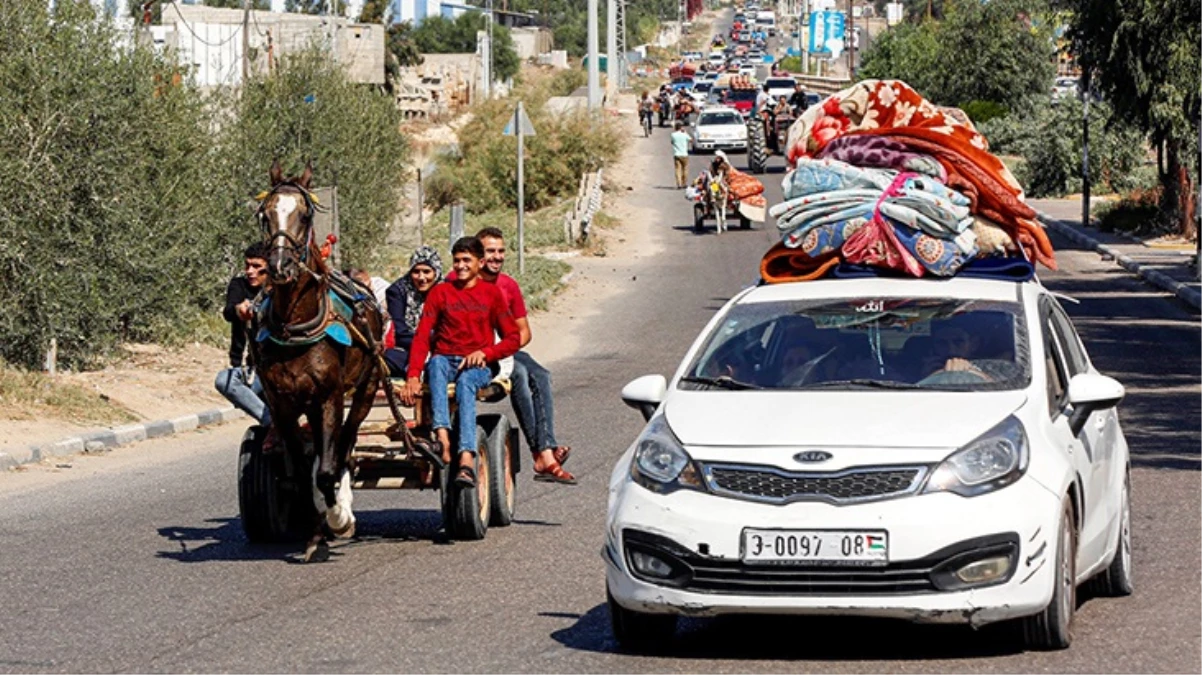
(286, 218)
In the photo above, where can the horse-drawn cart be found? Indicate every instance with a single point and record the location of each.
(275, 495)
(712, 199)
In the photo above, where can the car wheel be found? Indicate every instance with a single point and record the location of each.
(1052, 628)
(639, 632)
(1115, 581)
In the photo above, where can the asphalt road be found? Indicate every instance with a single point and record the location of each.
(135, 561)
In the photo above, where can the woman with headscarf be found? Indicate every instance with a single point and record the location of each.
(406, 297)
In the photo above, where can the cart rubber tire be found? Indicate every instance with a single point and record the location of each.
(744, 222)
(502, 481)
(1115, 581)
(757, 154)
(270, 510)
(698, 217)
(1052, 629)
(639, 632)
(469, 507)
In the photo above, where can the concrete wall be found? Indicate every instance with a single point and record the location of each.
(210, 40)
(530, 42)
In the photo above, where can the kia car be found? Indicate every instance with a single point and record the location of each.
(929, 450)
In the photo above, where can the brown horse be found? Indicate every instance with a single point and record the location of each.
(304, 370)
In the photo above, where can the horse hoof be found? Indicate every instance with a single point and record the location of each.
(340, 521)
(319, 552)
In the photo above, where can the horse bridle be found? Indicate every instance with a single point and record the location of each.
(297, 247)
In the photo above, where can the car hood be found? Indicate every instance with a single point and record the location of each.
(900, 419)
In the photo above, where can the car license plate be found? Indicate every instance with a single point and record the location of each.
(846, 547)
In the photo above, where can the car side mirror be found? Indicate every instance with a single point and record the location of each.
(645, 393)
(1089, 393)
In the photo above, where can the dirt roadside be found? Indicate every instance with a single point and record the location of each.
(155, 383)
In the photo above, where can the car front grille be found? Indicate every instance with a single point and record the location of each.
(769, 484)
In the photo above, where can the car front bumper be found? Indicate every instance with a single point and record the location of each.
(721, 144)
(704, 532)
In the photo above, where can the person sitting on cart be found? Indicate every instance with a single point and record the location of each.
(531, 396)
(404, 300)
(783, 109)
(457, 329)
(234, 382)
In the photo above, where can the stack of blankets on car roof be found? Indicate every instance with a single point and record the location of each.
(882, 177)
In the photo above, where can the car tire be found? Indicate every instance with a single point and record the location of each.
(639, 632)
(1115, 581)
(1052, 629)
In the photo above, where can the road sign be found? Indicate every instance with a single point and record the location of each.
(824, 27)
(523, 121)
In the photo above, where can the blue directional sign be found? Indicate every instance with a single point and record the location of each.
(825, 25)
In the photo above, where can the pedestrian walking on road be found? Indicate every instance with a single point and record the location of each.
(680, 155)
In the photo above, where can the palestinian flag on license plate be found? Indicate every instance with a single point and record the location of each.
(876, 543)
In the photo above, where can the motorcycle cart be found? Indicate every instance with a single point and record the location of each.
(275, 496)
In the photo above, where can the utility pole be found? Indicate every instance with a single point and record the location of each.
(611, 49)
(489, 54)
(1084, 88)
(245, 41)
(333, 12)
(594, 60)
(851, 40)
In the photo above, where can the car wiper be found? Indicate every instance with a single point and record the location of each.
(864, 382)
(722, 382)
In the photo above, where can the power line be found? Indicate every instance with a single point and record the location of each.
(195, 35)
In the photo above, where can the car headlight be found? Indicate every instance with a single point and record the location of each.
(660, 461)
(990, 462)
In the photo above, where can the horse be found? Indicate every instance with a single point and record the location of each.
(310, 348)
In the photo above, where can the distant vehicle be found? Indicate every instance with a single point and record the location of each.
(767, 22)
(719, 128)
(744, 36)
(812, 99)
(701, 90)
(755, 56)
(779, 86)
(693, 56)
(1064, 87)
(716, 59)
(748, 70)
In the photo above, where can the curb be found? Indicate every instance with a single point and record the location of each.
(106, 439)
(1157, 278)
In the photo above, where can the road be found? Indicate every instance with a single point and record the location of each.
(135, 561)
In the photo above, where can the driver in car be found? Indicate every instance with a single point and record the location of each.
(953, 350)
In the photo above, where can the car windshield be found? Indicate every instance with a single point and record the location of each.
(702, 87)
(742, 94)
(779, 83)
(719, 118)
(866, 343)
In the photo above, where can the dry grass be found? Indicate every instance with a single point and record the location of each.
(26, 396)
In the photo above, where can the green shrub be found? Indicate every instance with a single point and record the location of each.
(1049, 138)
(791, 64)
(983, 111)
(1138, 210)
(126, 203)
(483, 173)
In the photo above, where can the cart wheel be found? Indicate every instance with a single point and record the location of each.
(470, 508)
(272, 506)
(698, 217)
(501, 455)
(744, 222)
(757, 154)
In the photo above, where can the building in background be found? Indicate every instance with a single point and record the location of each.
(209, 41)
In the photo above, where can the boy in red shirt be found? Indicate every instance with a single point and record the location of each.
(456, 329)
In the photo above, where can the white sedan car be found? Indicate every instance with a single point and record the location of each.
(938, 451)
(719, 128)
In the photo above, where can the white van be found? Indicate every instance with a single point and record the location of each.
(766, 20)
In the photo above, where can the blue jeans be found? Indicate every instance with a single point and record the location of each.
(532, 402)
(248, 398)
(441, 371)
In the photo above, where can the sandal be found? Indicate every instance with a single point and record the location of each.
(466, 477)
(554, 474)
(561, 454)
